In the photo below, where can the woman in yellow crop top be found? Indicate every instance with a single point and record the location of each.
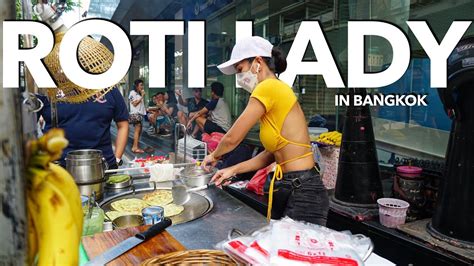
(295, 189)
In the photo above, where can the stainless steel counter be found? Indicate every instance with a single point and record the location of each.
(205, 232)
(228, 213)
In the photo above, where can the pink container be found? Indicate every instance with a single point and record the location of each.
(392, 212)
(409, 171)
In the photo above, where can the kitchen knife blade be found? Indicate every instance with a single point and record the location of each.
(129, 243)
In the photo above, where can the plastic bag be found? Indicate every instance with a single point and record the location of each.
(288, 242)
(258, 180)
(253, 249)
(302, 244)
(212, 140)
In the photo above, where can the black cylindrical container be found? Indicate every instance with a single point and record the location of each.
(358, 178)
(453, 219)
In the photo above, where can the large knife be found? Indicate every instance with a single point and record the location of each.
(129, 243)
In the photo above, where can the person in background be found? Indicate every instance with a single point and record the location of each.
(87, 125)
(218, 114)
(137, 111)
(168, 112)
(193, 105)
(296, 189)
(154, 111)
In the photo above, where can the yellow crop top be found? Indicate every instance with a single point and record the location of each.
(278, 99)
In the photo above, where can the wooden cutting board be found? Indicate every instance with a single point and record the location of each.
(159, 244)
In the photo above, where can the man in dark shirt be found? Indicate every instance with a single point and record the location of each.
(87, 125)
(215, 116)
(193, 104)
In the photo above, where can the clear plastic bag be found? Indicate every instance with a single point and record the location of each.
(288, 242)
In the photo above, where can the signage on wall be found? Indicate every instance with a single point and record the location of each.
(200, 9)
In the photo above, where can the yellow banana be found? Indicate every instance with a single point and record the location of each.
(35, 177)
(32, 232)
(54, 204)
(58, 235)
(63, 180)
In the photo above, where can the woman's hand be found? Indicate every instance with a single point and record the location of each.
(208, 161)
(222, 176)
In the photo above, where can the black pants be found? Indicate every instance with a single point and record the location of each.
(210, 127)
(301, 195)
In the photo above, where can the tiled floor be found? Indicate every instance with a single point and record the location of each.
(160, 145)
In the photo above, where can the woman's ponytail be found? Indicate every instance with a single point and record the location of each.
(279, 60)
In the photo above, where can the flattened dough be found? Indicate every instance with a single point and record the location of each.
(129, 205)
(158, 198)
(172, 210)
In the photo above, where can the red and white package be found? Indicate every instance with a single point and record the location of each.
(294, 244)
(288, 242)
(254, 250)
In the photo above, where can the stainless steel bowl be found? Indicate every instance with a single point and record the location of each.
(119, 185)
(128, 221)
(87, 189)
(86, 166)
(196, 176)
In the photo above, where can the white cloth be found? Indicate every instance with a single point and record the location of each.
(162, 172)
(140, 108)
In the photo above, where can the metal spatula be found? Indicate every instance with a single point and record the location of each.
(181, 192)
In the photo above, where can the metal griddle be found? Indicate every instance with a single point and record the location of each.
(195, 208)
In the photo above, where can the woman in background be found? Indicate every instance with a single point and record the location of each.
(137, 112)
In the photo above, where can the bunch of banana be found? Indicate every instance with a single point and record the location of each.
(331, 138)
(53, 203)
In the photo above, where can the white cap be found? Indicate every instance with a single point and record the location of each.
(246, 48)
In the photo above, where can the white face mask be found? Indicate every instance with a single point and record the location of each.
(248, 80)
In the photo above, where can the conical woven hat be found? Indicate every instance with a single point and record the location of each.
(94, 58)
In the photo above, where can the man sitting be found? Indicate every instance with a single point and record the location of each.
(162, 113)
(168, 114)
(218, 114)
(153, 111)
(193, 104)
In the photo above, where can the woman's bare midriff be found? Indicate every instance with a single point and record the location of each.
(295, 129)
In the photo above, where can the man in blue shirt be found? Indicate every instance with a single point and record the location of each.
(87, 125)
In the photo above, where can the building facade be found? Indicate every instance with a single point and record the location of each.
(409, 131)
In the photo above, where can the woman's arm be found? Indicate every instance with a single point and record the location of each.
(122, 137)
(137, 101)
(263, 159)
(252, 113)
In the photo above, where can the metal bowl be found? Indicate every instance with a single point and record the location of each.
(119, 185)
(196, 176)
(88, 189)
(128, 221)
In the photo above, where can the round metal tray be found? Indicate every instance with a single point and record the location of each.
(196, 207)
